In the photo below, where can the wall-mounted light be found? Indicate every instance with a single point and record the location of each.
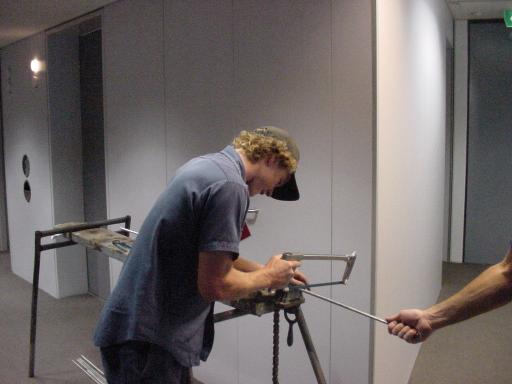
(37, 67)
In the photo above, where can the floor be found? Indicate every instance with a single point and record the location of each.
(64, 331)
(476, 351)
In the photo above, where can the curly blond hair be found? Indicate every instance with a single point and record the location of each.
(256, 147)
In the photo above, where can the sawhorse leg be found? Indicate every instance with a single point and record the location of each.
(313, 357)
(33, 313)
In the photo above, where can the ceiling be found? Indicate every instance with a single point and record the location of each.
(23, 18)
(478, 9)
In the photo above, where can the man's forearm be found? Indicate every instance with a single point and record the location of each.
(246, 265)
(241, 284)
(491, 289)
(221, 279)
(236, 284)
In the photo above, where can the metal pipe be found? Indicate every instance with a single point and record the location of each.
(345, 306)
(307, 286)
(128, 230)
(90, 370)
(60, 244)
(81, 227)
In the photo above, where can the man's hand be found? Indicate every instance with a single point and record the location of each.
(411, 325)
(299, 278)
(282, 272)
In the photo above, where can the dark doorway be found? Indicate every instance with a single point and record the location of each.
(93, 149)
(448, 150)
(488, 227)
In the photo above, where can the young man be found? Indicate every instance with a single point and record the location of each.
(159, 319)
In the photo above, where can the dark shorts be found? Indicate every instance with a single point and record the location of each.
(136, 362)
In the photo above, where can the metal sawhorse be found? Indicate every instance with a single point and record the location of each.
(70, 232)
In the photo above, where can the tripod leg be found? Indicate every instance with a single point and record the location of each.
(317, 368)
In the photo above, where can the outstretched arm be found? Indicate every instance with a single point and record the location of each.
(489, 290)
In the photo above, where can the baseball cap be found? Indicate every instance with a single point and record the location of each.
(288, 191)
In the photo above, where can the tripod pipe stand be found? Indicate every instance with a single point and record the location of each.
(267, 301)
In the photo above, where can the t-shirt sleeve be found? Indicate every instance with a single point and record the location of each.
(224, 206)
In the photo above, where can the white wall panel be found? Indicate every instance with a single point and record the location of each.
(133, 71)
(198, 78)
(25, 116)
(199, 104)
(411, 81)
(352, 192)
(282, 78)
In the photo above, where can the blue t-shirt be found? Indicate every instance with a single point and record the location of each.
(156, 298)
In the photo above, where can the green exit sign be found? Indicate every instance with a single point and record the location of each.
(507, 15)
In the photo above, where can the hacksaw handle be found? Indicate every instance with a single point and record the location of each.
(289, 256)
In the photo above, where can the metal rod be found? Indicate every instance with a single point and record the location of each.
(92, 364)
(60, 244)
(306, 286)
(308, 342)
(345, 306)
(81, 227)
(129, 230)
(90, 370)
(84, 369)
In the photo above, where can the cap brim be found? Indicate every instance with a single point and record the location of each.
(287, 192)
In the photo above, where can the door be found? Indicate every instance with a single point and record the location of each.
(93, 150)
(488, 227)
